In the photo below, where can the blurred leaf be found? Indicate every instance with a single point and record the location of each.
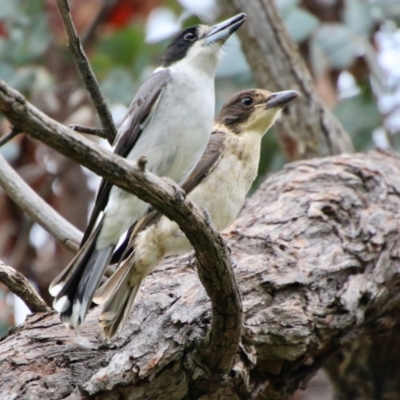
(340, 45)
(3, 328)
(233, 62)
(318, 59)
(20, 79)
(29, 43)
(161, 23)
(300, 24)
(28, 32)
(123, 46)
(358, 17)
(10, 151)
(101, 64)
(118, 86)
(9, 8)
(359, 116)
(371, 59)
(6, 70)
(387, 10)
(285, 7)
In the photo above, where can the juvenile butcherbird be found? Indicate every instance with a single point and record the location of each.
(169, 121)
(219, 182)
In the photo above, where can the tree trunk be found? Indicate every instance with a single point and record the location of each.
(310, 129)
(318, 267)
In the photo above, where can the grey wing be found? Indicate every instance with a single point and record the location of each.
(204, 167)
(142, 106)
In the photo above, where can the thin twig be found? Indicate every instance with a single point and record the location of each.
(89, 131)
(6, 138)
(37, 209)
(20, 286)
(89, 79)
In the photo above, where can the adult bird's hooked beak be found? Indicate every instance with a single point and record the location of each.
(223, 30)
(280, 99)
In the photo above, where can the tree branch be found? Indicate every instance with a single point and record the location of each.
(20, 286)
(309, 129)
(86, 72)
(317, 251)
(11, 135)
(214, 265)
(37, 209)
(89, 131)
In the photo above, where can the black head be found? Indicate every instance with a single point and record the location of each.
(201, 42)
(180, 45)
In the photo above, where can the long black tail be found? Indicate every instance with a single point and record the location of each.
(75, 286)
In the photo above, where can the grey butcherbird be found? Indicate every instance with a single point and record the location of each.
(169, 121)
(219, 183)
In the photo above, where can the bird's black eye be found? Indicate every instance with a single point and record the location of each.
(190, 37)
(247, 101)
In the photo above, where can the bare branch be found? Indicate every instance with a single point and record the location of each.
(6, 138)
(89, 79)
(89, 131)
(215, 267)
(37, 209)
(20, 286)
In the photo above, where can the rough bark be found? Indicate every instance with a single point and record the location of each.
(20, 286)
(318, 267)
(367, 369)
(309, 128)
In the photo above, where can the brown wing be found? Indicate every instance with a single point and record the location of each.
(206, 164)
(141, 107)
(208, 160)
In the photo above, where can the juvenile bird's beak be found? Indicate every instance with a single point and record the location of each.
(280, 99)
(223, 30)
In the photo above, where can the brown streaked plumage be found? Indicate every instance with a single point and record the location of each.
(219, 183)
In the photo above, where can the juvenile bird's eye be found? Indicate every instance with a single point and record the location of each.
(247, 101)
(190, 37)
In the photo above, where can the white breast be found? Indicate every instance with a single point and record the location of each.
(176, 136)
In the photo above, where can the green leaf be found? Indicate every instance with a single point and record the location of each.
(123, 46)
(9, 9)
(339, 44)
(118, 87)
(20, 79)
(285, 7)
(359, 116)
(300, 24)
(233, 62)
(358, 17)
